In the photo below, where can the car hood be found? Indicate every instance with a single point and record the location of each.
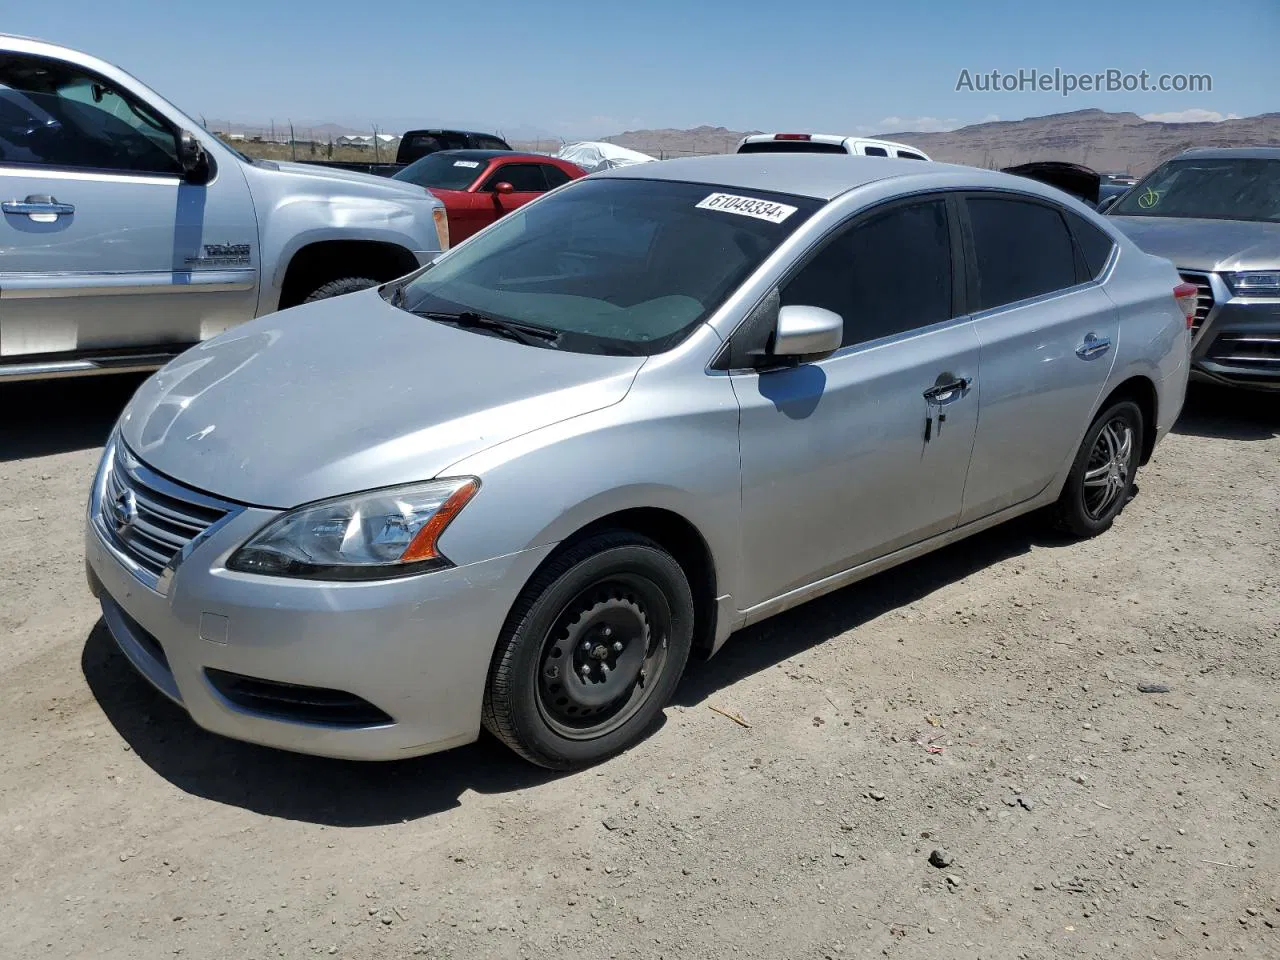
(315, 172)
(1210, 245)
(350, 394)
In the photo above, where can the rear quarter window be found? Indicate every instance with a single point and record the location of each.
(1094, 245)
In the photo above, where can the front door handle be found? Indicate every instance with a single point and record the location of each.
(946, 392)
(1093, 346)
(41, 209)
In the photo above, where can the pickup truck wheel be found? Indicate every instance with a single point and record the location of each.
(336, 288)
(1102, 476)
(591, 652)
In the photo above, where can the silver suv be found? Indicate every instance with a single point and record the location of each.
(647, 409)
(1216, 215)
(128, 232)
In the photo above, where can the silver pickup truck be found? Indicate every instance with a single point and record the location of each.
(129, 232)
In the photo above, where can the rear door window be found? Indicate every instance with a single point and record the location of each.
(874, 152)
(908, 155)
(886, 274)
(490, 143)
(1022, 249)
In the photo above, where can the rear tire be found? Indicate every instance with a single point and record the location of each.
(1102, 475)
(591, 652)
(336, 288)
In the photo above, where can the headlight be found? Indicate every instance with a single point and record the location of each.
(1254, 283)
(365, 536)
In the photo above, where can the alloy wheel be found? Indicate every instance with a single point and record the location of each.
(1106, 477)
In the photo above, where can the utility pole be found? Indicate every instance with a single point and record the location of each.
(293, 142)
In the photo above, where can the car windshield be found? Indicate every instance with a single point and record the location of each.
(612, 265)
(444, 171)
(1208, 189)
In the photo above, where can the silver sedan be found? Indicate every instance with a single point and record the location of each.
(518, 488)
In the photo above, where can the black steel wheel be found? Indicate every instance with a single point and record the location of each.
(1103, 473)
(591, 653)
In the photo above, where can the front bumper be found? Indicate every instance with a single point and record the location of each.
(1238, 342)
(417, 649)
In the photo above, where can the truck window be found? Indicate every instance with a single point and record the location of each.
(56, 115)
(490, 143)
(874, 152)
(908, 155)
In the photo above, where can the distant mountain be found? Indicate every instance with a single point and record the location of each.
(1096, 138)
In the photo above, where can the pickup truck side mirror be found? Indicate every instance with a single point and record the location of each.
(196, 167)
(806, 333)
(1106, 203)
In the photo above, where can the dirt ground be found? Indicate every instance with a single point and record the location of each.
(983, 701)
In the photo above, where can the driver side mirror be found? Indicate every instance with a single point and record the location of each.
(196, 167)
(804, 333)
(503, 188)
(1106, 203)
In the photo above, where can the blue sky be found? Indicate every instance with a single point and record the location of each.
(596, 68)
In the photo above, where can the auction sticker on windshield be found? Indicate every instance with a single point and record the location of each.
(466, 163)
(747, 207)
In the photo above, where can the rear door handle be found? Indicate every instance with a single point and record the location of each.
(42, 209)
(946, 392)
(1093, 346)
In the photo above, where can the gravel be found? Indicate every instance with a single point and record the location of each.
(721, 850)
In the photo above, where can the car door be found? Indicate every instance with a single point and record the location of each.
(104, 246)
(847, 459)
(1049, 334)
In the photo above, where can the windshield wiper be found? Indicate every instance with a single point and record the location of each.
(526, 333)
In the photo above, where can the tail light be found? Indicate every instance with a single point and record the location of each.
(1186, 295)
(792, 136)
(442, 227)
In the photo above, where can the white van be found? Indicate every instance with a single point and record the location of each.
(827, 143)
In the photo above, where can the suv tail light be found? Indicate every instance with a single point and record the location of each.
(1185, 294)
(792, 136)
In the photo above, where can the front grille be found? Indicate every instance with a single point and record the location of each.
(295, 702)
(1204, 298)
(1258, 350)
(148, 524)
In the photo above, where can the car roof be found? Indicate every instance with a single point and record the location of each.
(466, 133)
(1232, 153)
(821, 176)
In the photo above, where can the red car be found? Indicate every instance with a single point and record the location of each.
(479, 186)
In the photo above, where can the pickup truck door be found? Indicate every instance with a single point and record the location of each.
(106, 252)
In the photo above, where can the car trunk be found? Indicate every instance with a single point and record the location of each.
(1072, 178)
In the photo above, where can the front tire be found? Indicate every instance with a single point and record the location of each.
(591, 652)
(1103, 473)
(336, 288)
